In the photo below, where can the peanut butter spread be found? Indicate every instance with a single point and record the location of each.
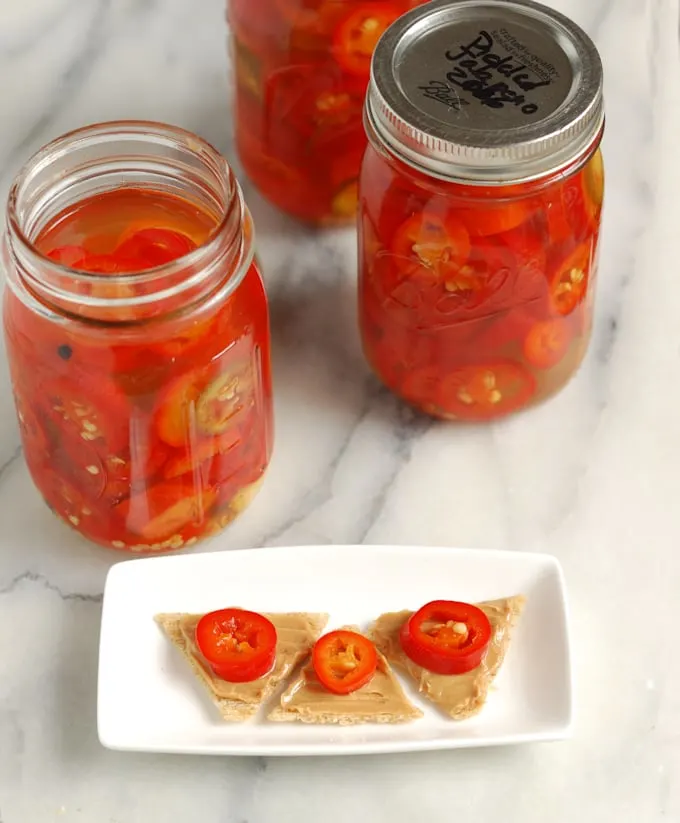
(382, 700)
(296, 634)
(459, 695)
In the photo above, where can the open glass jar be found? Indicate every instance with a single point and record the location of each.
(137, 332)
(301, 70)
(480, 202)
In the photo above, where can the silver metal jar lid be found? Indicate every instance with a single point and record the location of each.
(485, 91)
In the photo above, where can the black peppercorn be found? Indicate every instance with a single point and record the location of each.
(65, 352)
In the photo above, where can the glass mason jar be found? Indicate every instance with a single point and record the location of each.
(141, 373)
(480, 201)
(302, 68)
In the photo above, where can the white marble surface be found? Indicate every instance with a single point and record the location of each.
(591, 477)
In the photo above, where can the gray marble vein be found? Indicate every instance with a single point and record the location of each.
(41, 580)
(10, 461)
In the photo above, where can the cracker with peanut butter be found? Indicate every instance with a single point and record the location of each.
(296, 634)
(458, 695)
(381, 700)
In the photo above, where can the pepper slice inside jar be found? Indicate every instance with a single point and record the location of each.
(446, 636)
(344, 661)
(482, 221)
(306, 98)
(357, 35)
(33, 431)
(206, 402)
(239, 645)
(163, 510)
(481, 392)
(201, 452)
(593, 184)
(346, 200)
(569, 281)
(431, 244)
(94, 410)
(70, 256)
(547, 343)
(154, 246)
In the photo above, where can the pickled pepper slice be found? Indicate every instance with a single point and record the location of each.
(344, 661)
(70, 256)
(569, 281)
(204, 402)
(446, 637)
(89, 408)
(155, 247)
(482, 392)
(163, 510)
(547, 343)
(482, 220)
(436, 245)
(238, 645)
(357, 36)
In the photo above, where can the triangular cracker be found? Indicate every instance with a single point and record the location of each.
(380, 701)
(297, 632)
(463, 695)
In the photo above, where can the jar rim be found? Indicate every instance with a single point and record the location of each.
(486, 92)
(376, 142)
(228, 229)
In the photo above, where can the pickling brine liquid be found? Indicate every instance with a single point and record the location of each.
(143, 429)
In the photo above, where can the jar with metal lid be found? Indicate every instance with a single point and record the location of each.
(480, 201)
(301, 69)
(137, 332)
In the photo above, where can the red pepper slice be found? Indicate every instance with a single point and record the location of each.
(486, 284)
(357, 35)
(433, 245)
(81, 463)
(184, 339)
(239, 646)
(482, 392)
(70, 256)
(165, 509)
(344, 661)
(303, 99)
(155, 247)
(209, 401)
(547, 343)
(315, 19)
(569, 281)
(508, 328)
(446, 637)
(403, 198)
(64, 498)
(90, 410)
(133, 470)
(482, 220)
(202, 451)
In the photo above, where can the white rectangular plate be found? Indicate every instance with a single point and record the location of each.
(150, 700)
